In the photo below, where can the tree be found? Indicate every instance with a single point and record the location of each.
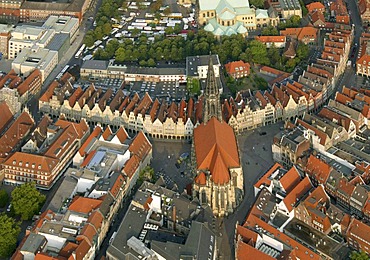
(98, 33)
(4, 198)
(120, 54)
(269, 30)
(169, 30)
(107, 28)
(89, 39)
(27, 200)
(302, 51)
(359, 255)
(177, 28)
(257, 3)
(146, 174)
(151, 62)
(259, 52)
(9, 231)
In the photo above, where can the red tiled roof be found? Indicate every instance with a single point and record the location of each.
(6, 116)
(107, 133)
(237, 66)
(216, 149)
(318, 169)
(290, 179)
(296, 194)
(267, 39)
(315, 6)
(121, 134)
(131, 165)
(300, 251)
(201, 178)
(140, 146)
(359, 232)
(265, 178)
(95, 134)
(84, 205)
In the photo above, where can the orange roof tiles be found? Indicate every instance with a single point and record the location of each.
(88, 232)
(6, 116)
(84, 205)
(75, 96)
(345, 187)
(140, 146)
(216, 149)
(296, 194)
(300, 251)
(131, 165)
(82, 249)
(359, 232)
(32, 161)
(315, 6)
(237, 66)
(18, 130)
(267, 39)
(201, 178)
(246, 252)
(68, 249)
(107, 133)
(95, 134)
(88, 158)
(49, 92)
(318, 169)
(290, 179)
(265, 180)
(121, 134)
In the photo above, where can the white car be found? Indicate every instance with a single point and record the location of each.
(9, 207)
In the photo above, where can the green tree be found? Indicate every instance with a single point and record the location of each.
(259, 52)
(359, 255)
(107, 28)
(302, 51)
(177, 28)
(89, 39)
(146, 174)
(98, 33)
(27, 200)
(151, 62)
(120, 54)
(169, 30)
(4, 198)
(257, 3)
(269, 30)
(9, 231)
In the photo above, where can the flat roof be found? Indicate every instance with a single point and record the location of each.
(74, 6)
(57, 42)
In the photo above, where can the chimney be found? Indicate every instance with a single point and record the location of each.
(174, 217)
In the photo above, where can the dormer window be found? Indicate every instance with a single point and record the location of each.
(20, 163)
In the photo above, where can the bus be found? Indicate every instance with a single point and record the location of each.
(64, 70)
(80, 50)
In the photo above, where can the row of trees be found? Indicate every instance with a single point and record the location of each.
(177, 48)
(26, 201)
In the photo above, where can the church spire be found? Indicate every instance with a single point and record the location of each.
(211, 95)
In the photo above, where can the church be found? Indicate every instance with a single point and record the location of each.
(218, 173)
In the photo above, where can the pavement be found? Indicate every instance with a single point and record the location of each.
(165, 155)
(5, 65)
(256, 159)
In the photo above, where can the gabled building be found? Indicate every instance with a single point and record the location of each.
(219, 176)
(358, 236)
(237, 69)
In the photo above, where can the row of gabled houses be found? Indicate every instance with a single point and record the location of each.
(286, 100)
(339, 130)
(17, 91)
(295, 203)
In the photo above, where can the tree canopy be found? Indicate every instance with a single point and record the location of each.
(359, 255)
(27, 200)
(9, 230)
(257, 3)
(4, 198)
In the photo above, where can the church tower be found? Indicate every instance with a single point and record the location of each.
(211, 96)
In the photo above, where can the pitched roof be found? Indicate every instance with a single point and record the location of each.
(84, 205)
(359, 230)
(236, 66)
(131, 165)
(300, 250)
(245, 252)
(32, 161)
(216, 149)
(140, 146)
(290, 179)
(265, 180)
(297, 193)
(5, 116)
(275, 38)
(97, 131)
(122, 134)
(315, 6)
(317, 169)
